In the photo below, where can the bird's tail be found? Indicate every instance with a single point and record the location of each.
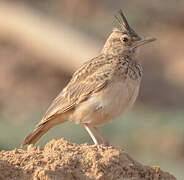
(35, 135)
(39, 131)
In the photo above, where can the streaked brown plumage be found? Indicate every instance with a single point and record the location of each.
(102, 89)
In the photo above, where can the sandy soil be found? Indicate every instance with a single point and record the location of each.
(62, 160)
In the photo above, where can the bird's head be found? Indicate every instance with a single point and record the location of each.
(124, 40)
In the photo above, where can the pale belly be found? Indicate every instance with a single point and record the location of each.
(107, 104)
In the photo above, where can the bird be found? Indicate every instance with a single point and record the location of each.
(102, 89)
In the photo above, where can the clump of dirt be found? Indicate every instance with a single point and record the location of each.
(62, 160)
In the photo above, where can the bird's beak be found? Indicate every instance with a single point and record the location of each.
(143, 41)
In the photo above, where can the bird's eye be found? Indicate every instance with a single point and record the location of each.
(125, 39)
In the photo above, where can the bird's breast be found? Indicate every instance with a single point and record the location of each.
(108, 103)
(119, 97)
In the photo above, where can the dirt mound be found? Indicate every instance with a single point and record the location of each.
(62, 160)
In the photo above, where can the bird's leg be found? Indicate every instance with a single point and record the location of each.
(104, 141)
(95, 140)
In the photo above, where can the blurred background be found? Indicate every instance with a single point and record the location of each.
(43, 42)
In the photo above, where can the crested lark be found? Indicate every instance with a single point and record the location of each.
(102, 88)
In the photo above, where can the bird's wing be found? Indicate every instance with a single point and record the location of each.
(93, 76)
